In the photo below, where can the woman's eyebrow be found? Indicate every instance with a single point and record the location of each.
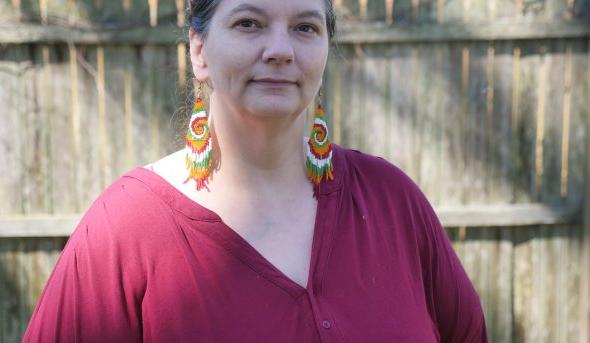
(258, 10)
(312, 14)
(244, 8)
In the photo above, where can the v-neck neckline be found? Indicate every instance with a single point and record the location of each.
(239, 247)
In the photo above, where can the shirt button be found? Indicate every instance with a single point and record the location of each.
(326, 324)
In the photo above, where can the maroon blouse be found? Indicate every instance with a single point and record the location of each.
(146, 263)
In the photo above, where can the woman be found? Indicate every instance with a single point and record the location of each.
(272, 237)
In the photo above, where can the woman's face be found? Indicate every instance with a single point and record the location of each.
(264, 57)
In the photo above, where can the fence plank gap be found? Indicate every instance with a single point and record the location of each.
(363, 9)
(43, 11)
(153, 5)
(180, 19)
(389, 6)
(181, 52)
(126, 5)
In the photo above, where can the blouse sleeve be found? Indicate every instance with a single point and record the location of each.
(94, 292)
(452, 300)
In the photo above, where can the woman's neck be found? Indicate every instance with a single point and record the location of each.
(258, 152)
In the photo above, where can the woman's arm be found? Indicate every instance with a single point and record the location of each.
(452, 300)
(94, 292)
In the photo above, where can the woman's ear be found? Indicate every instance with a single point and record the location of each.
(197, 56)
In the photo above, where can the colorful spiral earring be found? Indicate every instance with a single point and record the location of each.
(319, 150)
(198, 145)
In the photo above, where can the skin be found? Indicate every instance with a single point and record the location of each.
(260, 190)
(255, 121)
(259, 125)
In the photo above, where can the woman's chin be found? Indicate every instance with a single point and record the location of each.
(273, 109)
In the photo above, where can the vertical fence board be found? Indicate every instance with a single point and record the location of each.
(553, 124)
(25, 266)
(555, 9)
(577, 175)
(353, 120)
(527, 95)
(402, 11)
(174, 117)
(375, 10)
(13, 67)
(118, 76)
(451, 10)
(61, 145)
(429, 128)
(426, 10)
(475, 121)
(374, 113)
(453, 122)
(581, 9)
(35, 135)
(348, 9)
(419, 119)
(533, 8)
(544, 285)
(501, 139)
(400, 104)
(439, 119)
(9, 12)
(89, 164)
(487, 255)
(505, 9)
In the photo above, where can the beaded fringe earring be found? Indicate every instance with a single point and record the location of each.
(199, 145)
(319, 150)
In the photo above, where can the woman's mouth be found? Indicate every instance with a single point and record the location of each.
(273, 82)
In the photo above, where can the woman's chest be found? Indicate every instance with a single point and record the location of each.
(361, 288)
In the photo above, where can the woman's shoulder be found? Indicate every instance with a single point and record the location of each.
(375, 172)
(127, 213)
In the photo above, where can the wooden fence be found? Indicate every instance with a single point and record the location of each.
(486, 104)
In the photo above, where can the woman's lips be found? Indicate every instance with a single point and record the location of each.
(274, 82)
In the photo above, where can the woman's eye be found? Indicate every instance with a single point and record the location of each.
(307, 28)
(247, 24)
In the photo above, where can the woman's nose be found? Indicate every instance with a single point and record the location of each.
(278, 48)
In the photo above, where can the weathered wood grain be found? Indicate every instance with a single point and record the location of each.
(25, 266)
(501, 139)
(553, 123)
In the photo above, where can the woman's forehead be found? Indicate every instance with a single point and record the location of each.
(273, 7)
